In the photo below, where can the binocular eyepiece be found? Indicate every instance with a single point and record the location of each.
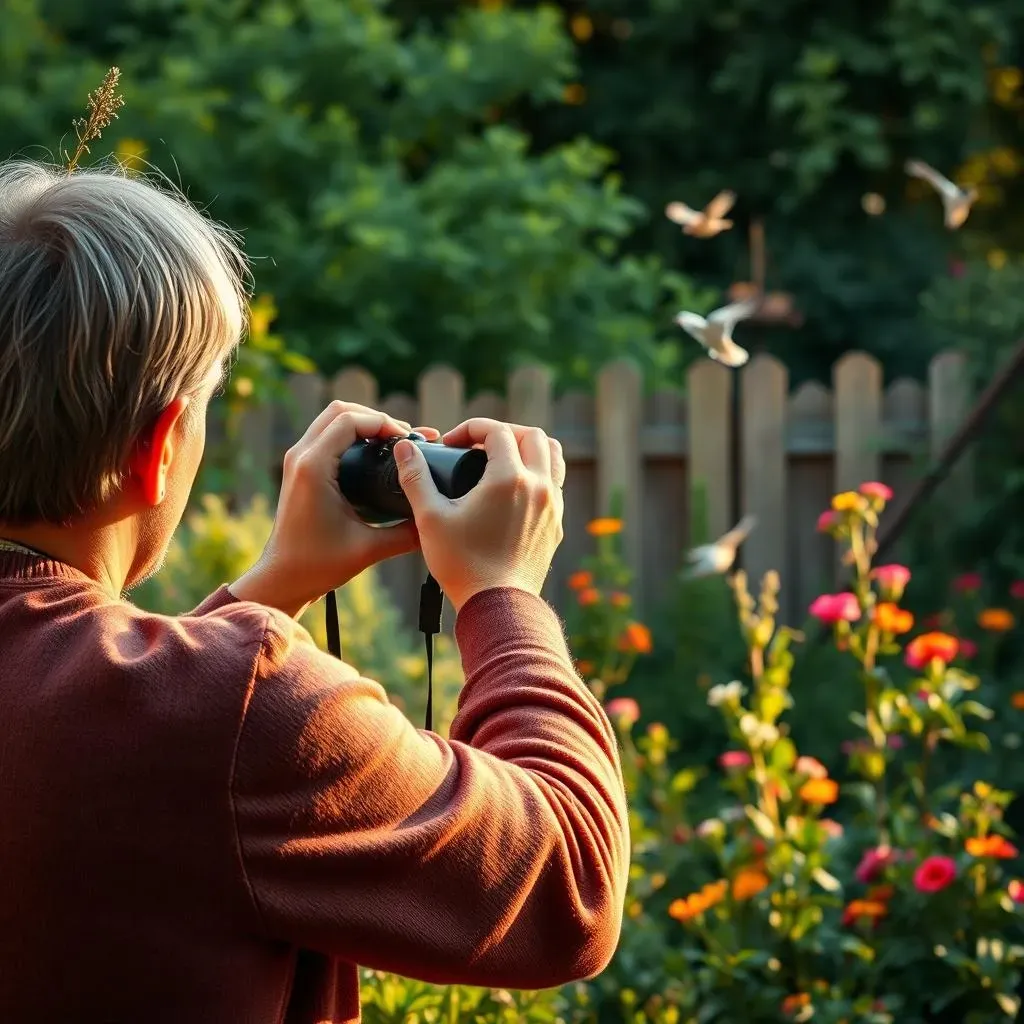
(368, 476)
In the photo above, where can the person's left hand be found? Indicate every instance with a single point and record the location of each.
(318, 543)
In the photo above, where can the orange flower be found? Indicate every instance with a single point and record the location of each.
(636, 639)
(698, 903)
(588, 596)
(1017, 700)
(996, 620)
(861, 910)
(621, 600)
(796, 1001)
(928, 646)
(891, 618)
(580, 580)
(994, 846)
(585, 668)
(820, 791)
(748, 883)
(604, 527)
(848, 501)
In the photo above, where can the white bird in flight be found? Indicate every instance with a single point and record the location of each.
(715, 333)
(714, 559)
(956, 201)
(704, 223)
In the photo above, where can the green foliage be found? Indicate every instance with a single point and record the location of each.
(394, 220)
(802, 109)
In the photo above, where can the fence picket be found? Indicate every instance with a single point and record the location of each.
(764, 383)
(669, 455)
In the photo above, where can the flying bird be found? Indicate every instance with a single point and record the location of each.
(704, 223)
(714, 559)
(715, 333)
(956, 201)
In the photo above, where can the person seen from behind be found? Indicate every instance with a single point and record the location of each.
(206, 818)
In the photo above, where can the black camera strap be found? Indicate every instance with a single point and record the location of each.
(431, 602)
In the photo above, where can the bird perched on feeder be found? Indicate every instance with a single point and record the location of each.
(715, 333)
(704, 223)
(956, 201)
(714, 559)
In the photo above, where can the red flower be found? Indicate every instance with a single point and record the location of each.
(873, 489)
(624, 710)
(1017, 590)
(1016, 891)
(826, 520)
(928, 646)
(873, 863)
(588, 596)
(734, 759)
(830, 608)
(967, 583)
(934, 874)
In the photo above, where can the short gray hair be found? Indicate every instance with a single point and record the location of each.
(116, 297)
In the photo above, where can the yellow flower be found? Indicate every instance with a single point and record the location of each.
(262, 313)
(130, 152)
(848, 501)
(582, 28)
(748, 883)
(996, 620)
(996, 258)
(574, 94)
(604, 527)
(243, 387)
(819, 791)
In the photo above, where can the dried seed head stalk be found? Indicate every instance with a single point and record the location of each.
(104, 104)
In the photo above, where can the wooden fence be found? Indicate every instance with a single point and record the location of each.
(669, 454)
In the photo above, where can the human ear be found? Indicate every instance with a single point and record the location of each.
(155, 452)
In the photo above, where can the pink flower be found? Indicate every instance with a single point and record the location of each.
(894, 742)
(831, 828)
(873, 863)
(811, 767)
(892, 580)
(957, 268)
(967, 583)
(826, 520)
(732, 760)
(1016, 588)
(1016, 891)
(624, 710)
(934, 874)
(873, 489)
(968, 648)
(829, 608)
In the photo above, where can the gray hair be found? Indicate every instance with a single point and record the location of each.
(116, 297)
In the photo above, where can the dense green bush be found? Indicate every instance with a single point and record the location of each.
(391, 214)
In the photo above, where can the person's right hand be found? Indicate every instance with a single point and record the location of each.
(504, 532)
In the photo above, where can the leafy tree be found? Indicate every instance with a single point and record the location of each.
(393, 219)
(804, 109)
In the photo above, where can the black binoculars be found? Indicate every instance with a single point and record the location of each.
(368, 476)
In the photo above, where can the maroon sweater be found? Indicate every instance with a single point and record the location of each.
(206, 819)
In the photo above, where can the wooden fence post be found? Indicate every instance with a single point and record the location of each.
(709, 427)
(765, 391)
(949, 400)
(619, 409)
(529, 397)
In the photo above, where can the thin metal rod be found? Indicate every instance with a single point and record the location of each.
(986, 404)
(988, 401)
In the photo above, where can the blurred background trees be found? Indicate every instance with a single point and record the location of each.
(479, 182)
